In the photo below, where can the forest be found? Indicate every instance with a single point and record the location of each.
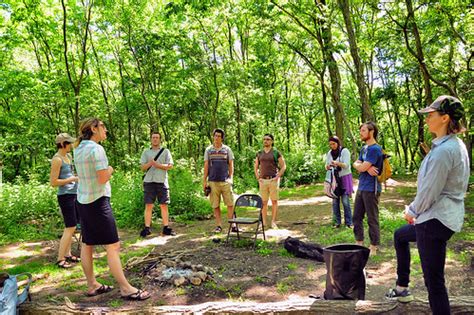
(301, 70)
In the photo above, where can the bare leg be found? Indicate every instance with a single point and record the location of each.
(264, 212)
(147, 215)
(115, 266)
(230, 212)
(164, 214)
(217, 215)
(65, 243)
(88, 267)
(274, 210)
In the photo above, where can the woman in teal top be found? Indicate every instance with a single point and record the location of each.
(62, 176)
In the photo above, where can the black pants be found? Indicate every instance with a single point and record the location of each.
(366, 202)
(431, 239)
(401, 239)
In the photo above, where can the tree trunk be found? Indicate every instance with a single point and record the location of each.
(301, 306)
(359, 69)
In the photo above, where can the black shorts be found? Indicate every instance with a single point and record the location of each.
(67, 204)
(98, 222)
(153, 191)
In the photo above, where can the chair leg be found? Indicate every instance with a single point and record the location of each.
(263, 231)
(228, 234)
(238, 235)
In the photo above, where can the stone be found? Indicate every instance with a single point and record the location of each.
(168, 263)
(179, 281)
(201, 275)
(196, 281)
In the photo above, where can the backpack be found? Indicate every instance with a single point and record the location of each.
(275, 156)
(386, 172)
(9, 297)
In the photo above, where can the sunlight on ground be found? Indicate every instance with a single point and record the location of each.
(307, 201)
(158, 240)
(24, 249)
(282, 233)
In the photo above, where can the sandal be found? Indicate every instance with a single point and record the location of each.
(218, 229)
(140, 295)
(72, 258)
(63, 264)
(100, 290)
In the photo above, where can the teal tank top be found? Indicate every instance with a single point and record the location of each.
(66, 172)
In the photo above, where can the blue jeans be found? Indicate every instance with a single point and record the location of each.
(336, 210)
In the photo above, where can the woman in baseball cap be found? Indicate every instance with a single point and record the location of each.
(438, 209)
(62, 176)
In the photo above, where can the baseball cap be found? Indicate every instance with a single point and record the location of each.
(447, 105)
(64, 137)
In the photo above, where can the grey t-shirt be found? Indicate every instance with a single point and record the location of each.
(218, 162)
(155, 175)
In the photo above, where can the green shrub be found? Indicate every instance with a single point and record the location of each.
(303, 167)
(29, 210)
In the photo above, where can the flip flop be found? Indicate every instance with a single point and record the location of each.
(140, 295)
(63, 264)
(100, 290)
(72, 258)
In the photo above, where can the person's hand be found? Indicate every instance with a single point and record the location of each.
(276, 178)
(230, 180)
(373, 171)
(328, 167)
(111, 170)
(408, 217)
(73, 179)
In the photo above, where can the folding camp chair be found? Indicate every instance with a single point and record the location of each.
(249, 201)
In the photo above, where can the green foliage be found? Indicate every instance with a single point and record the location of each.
(29, 211)
(304, 167)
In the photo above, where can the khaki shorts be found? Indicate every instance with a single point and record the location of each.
(269, 188)
(218, 189)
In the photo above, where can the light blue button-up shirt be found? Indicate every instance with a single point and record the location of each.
(442, 183)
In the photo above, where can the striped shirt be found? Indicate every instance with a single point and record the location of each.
(90, 157)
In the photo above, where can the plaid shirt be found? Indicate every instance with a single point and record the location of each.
(90, 157)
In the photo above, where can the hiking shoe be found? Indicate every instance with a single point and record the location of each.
(168, 231)
(404, 296)
(336, 226)
(145, 232)
(218, 229)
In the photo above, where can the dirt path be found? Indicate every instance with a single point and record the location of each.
(268, 274)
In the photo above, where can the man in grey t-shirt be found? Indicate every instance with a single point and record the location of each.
(156, 162)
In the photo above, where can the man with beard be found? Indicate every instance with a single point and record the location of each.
(368, 165)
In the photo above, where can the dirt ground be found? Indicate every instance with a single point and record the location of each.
(241, 273)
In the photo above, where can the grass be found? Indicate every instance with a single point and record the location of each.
(302, 192)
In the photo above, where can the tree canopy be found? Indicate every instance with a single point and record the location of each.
(301, 70)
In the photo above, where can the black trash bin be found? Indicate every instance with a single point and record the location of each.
(345, 279)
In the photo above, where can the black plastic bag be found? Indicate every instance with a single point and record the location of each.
(304, 250)
(345, 278)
